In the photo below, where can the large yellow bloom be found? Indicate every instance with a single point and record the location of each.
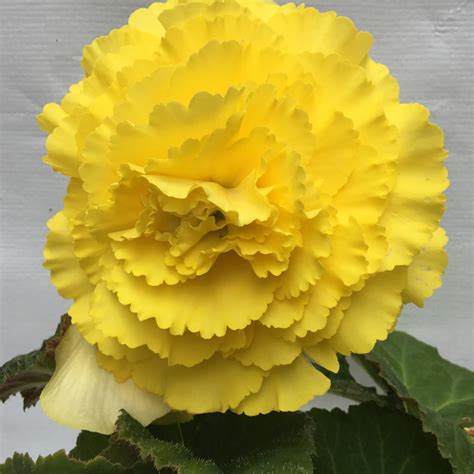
(247, 197)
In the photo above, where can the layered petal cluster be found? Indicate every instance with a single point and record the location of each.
(247, 199)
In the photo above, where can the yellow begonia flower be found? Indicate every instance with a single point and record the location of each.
(247, 197)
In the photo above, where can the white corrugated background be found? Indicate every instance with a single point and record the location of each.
(428, 44)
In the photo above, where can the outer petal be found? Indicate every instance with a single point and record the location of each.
(324, 355)
(416, 203)
(386, 85)
(81, 318)
(93, 52)
(84, 396)
(216, 385)
(424, 272)
(306, 29)
(287, 388)
(61, 146)
(146, 19)
(50, 117)
(372, 313)
(66, 274)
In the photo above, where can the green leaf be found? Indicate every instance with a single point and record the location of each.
(290, 452)
(28, 374)
(58, 463)
(163, 454)
(247, 442)
(275, 443)
(373, 440)
(439, 392)
(89, 445)
(121, 452)
(18, 464)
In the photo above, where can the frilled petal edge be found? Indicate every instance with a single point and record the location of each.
(426, 269)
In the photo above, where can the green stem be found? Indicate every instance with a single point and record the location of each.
(358, 393)
(180, 433)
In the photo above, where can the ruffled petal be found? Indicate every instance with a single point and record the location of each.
(376, 241)
(146, 257)
(242, 203)
(81, 318)
(323, 297)
(333, 322)
(216, 385)
(286, 388)
(303, 272)
(171, 124)
(93, 52)
(50, 117)
(347, 260)
(324, 355)
(184, 37)
(386, 85)
(146, 19)
(306, 29)
(117, 321)
(62, 148)
(426, 269)
(364, 323)
(364, 195)
(416, 204)
(337, 146)
(267, 349)
(66, 274)
(238, 298)
(185, 11)
(283, 313)
(344, 87)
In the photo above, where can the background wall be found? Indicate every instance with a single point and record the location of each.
(428, 45)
